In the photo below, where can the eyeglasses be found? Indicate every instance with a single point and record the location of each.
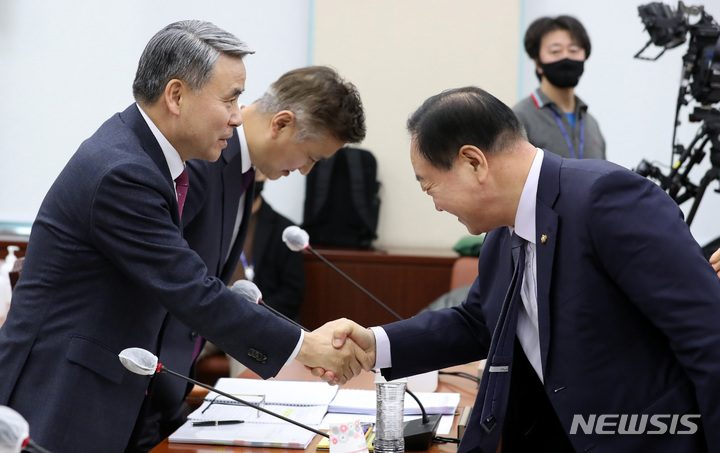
(257, 401)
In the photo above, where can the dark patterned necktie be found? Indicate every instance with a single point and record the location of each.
(182, 182)
(495, 384)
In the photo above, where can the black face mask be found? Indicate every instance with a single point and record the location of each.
(564, 73)
(258, 188)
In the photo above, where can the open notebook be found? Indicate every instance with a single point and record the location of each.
(305, 402)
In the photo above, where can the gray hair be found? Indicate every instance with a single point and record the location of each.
(324, 104)
(269, 102)
(185, 50)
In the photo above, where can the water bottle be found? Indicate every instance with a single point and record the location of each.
(389, 423)
(5, 288)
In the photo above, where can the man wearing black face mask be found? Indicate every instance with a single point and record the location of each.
(554, 118)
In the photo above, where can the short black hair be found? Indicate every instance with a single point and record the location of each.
(446, 122)
(544, 25)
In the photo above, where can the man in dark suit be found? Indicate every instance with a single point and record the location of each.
(278, 272)
(611, 333)
(106, 260)
(305, 116)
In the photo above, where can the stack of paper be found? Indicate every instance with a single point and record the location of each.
(352, 401)
(352, 404)
(305, 402)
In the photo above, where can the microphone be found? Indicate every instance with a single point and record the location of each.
(251, 292)
(418, 434)
(298, 239)
(145, 363)
(15, 433)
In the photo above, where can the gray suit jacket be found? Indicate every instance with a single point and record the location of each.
(106, 262)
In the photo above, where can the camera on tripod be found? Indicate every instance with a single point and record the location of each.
(668, 29)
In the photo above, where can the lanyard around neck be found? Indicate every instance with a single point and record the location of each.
(248, 267)
(567, 138)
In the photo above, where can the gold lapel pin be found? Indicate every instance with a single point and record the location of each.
(543, 238)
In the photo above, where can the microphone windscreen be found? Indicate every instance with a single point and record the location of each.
(296, 238)
(14, 430)
(139, 361)
(248, 290)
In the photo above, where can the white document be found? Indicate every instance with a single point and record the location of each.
(444, 427)
(296, 393)
(270, 435)
(304, 402)
(352, 401)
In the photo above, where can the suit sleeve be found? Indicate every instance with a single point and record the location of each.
(438, 339)
(132, 225)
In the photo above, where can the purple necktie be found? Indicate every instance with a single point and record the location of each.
(182, 182)
(248, 178)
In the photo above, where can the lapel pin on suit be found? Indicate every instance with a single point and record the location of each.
(543, 238)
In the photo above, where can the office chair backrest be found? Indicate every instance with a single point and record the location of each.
(464, 271)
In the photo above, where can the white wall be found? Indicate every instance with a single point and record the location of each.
(633, 100)
(65, 67)
(398, 54)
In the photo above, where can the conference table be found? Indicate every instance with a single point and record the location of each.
(295, 371)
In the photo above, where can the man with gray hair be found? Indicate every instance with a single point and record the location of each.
(305, 116)
(106, 261)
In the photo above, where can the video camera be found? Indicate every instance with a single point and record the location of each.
(668, 29)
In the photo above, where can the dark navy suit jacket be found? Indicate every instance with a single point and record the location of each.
(105, 263)
(629, 310)
(279, 271)
(209, 216)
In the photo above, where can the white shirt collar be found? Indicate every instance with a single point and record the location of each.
(244, 152)
(525, 216)
(172, 157)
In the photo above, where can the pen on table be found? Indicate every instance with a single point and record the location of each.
(217, 422)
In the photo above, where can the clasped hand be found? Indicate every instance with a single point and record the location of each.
(338, 351)
(715, 261)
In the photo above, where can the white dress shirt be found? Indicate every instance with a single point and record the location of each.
(246, 164)
(172, 157)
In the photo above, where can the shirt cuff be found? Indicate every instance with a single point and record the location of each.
(382, 348)
(297, 348)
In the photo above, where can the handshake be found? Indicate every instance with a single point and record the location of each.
(338, 351)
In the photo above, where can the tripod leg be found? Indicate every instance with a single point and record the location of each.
(711, 175)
